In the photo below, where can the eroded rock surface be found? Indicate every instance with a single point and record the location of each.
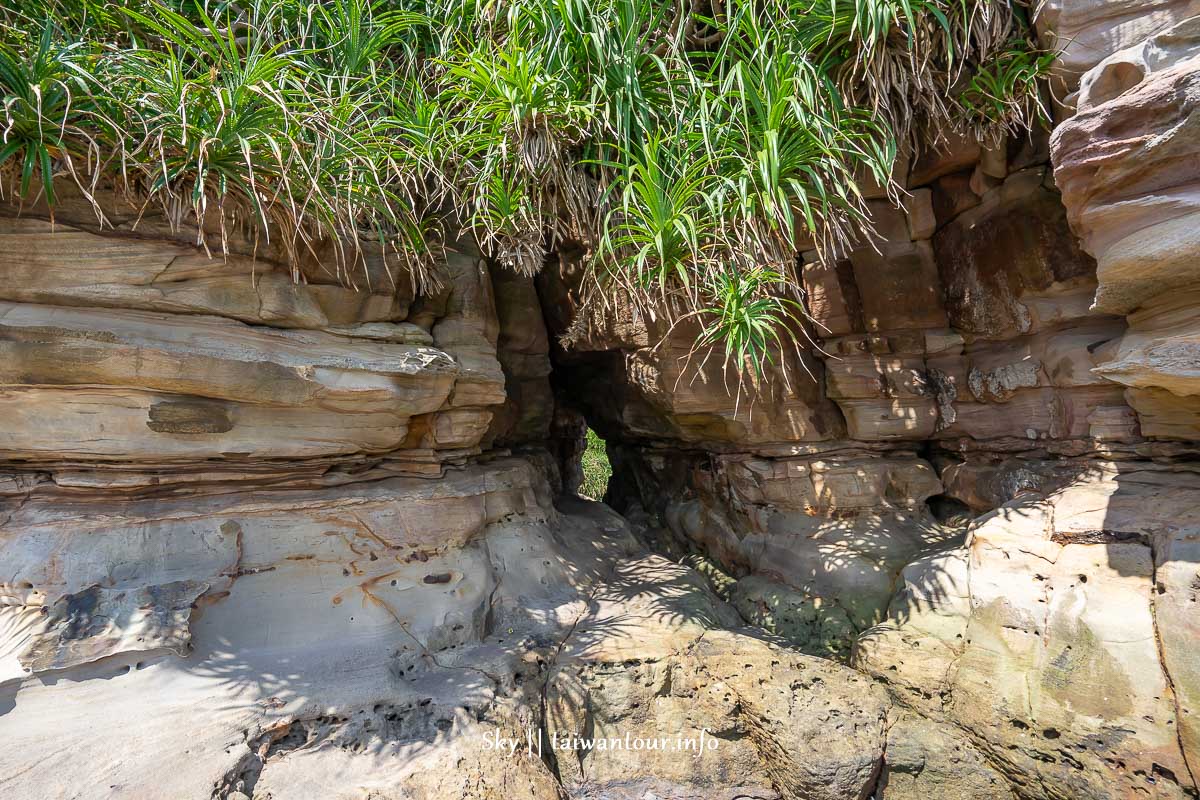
(269, 533)
(374, 638)
(1056, 613)
(1088, 31)
(947, 483)
(303, 534)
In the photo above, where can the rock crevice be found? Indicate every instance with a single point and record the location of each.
(290, 535)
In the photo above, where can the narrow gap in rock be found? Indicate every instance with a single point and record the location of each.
(595, 466)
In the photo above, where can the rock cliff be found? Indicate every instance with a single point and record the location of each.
(975, 482)
(270, 533)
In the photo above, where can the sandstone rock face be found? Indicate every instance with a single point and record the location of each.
(294, 587)
(818, 542)
(927, 760)
(291, 534)
(267, 532)
(643, 655)
(64, 266)
(375, 639)
(203, 376)
(208, 540)
(1127, 166)
(238, 378)
(944, 357)
(1012, 374)
(1088, 31)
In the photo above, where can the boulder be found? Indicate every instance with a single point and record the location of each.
(1050, 621)
(651, 701)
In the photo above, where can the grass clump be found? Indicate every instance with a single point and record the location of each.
(687, 148)
(596, 468)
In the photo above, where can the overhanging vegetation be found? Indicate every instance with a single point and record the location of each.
(687, 146)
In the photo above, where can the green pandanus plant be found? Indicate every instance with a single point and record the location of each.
(688, 150)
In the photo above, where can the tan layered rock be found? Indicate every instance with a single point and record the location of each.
(803, 729)
(523, 350)
(215, 544)
(1161, 349)
(1011, 328)
(644, 655)
(1126, 166)
(1044, 639)
(379, 637)
(47, 425)
(881, 385)
(985, 282)
(143, 355)
(978, 359)
(57, 264)
(671, 391)
(296, 588)
(1159, 359)
(817, 541)
(1088, 31)
(202, 386)
(925, 760)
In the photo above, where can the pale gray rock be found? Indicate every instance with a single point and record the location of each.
(1051, 622)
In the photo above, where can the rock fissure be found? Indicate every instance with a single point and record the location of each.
(948, 549)
(1179, 710)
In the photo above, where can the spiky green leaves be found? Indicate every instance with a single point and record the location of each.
(514, 123)
(294, 117)
(1004, 91)
(41, 116)
(751, 316)
(689, 149)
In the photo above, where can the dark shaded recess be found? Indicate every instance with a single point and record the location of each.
(586, 388)
(189, 416)
(850, 294)
(521, 339)
(987, 259)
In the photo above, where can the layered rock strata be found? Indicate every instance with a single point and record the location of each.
(298, 532)
(378, 639)
(268, 534)
(952, 488)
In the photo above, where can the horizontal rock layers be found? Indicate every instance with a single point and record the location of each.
(1064, 611)
(153, 354)
(949, 486)
(296, 533)
(265, 534)
(375, 637)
